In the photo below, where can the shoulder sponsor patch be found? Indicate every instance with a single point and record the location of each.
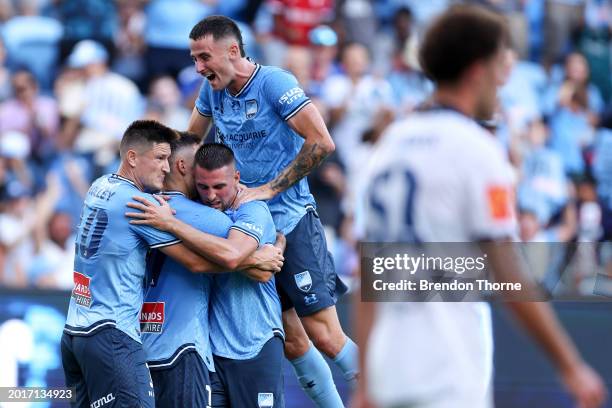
(498, 197)
(265, 400)
(303, 281)
(152, 317)
(81, 293)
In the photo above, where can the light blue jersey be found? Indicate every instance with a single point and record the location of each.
(253, 123)
(245, 313)
(174, 317)
(109, 265)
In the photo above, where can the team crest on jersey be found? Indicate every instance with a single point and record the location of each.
(251, 108)
(81, 293)
(303, 281)
(152, 317)
(265, 400)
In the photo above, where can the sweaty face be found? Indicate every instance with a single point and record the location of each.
(217, 188)
(212, 60)
(152, 166)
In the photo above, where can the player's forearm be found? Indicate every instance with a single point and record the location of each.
(309, 157)
(216, 249)
(541, 323)
(507, 265)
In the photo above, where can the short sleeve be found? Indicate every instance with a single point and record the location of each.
(490, 198)
(203, 102)
(153, 237)
(284, 94)
(251, 219)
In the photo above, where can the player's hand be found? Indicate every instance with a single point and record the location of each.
(245, 195)
(281, 241)
(585, 385)
(268, 258)
(157, 216)
(258, 275)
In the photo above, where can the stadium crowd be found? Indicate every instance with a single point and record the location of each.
(75, 73)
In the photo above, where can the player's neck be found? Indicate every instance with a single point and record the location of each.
(127, 173)
(175, 185)
(458, 98)
(244, 70)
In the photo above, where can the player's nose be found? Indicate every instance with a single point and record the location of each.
(200, 66)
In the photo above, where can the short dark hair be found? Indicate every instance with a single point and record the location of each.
(459, 37)
(219, 27)
(184, 139)
(146, 132)
(213, 156)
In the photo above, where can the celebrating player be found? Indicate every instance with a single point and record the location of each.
(278, 137)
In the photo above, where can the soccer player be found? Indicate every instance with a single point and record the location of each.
(102, 353)
(439, 177)
(278, 137)
(174, 317)
(245, 318)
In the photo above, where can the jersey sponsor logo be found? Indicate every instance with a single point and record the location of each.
(303, 281)
(265, 400)
(81, 293)
(252, 227)
(152, 317)
(291, 96)
(251, 108)
(498, 198)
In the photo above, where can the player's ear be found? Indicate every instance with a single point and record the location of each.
(234, 51)
(237, 176)
(131, 157)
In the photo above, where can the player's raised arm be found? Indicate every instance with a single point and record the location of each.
(199, 124)
(318, 144)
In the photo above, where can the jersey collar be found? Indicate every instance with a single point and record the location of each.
(173, 193)
(247, 83)
(116, 176)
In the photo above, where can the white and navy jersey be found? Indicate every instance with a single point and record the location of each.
(174, 317)
(245, 314)
(435, 177)
(109, 265)
(253, 123)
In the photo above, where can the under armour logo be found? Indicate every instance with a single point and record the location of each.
(310, 384)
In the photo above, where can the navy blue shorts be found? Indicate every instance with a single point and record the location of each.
(252, 383)
(108, 368)
(186, 383)
(308, 280)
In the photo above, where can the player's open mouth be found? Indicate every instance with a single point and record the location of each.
(210, 76)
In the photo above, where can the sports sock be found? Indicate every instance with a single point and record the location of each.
(316, 379)
(347, 361)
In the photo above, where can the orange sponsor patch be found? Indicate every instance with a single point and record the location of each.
(499, 202)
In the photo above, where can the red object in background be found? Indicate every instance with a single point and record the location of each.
(293, 19)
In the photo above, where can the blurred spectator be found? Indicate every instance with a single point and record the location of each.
(571, 130)
(594, 43)
(5, 75)
(393, 41)
(85, 19)
(354, 98)
(544, 191)
(6, 11)
(168, 23)
(129, 41)
(298, 61)
(107, 104)
(359, 21)
(53, 263)
(33, 114)
(32, 41)
(164, 104)
(561, 24)
(324, 48)
(602, 170)
(577, 77)
(293, 20)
